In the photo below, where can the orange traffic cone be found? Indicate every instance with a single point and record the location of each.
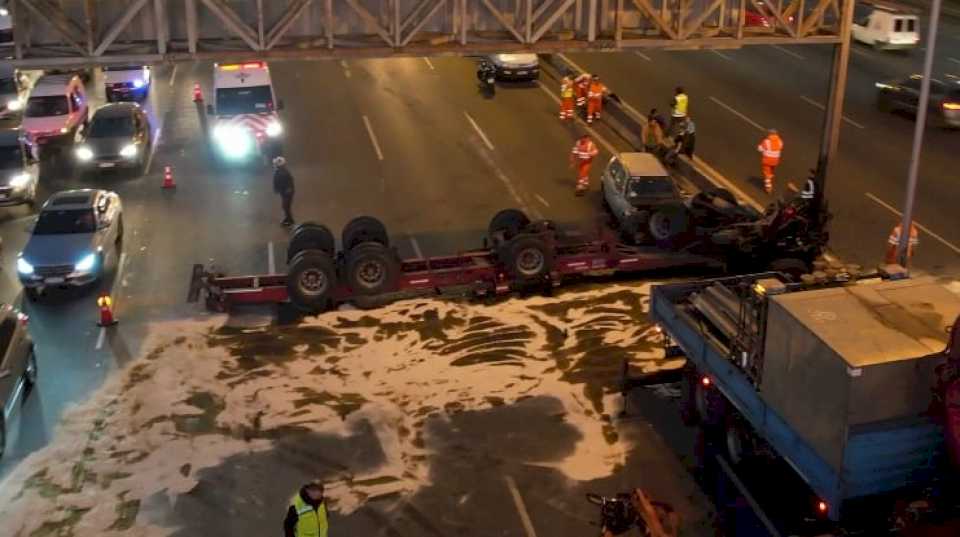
(105, 303)
(168, 181)
(197, 94)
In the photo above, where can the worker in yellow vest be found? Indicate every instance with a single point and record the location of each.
(679, 108)
(307, 514)
(566, 98)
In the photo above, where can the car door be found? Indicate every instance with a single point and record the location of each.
(909, 95)
(619, 203)
(12, 365)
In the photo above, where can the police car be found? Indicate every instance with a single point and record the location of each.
(126, 82)
(245, 119)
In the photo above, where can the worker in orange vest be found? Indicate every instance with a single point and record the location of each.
(582, 157)
(566, 98)
(581, 84)
(595, 94)
(770, 150)
(893, 243)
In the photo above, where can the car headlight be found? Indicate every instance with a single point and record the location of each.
(84, 154)
(23, 267)
(234, 142)
(20, 180)
(64, 130)
(14, 105)
(86, 264)
(274, 129)
(4, 12)
(881, 85)
(137, 83)
(128, 151)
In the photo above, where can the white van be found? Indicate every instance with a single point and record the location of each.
(245, 119)
(56, 109)
(887, 29)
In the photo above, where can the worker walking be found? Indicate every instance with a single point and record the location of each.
(653, 133)
(595, 94)
(582, 157)
(566, 98)
(679, 106)
(893, 244)
(770, 149)
(283, 185)
(581, 85)
(307, 514)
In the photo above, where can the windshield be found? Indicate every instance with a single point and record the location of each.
(251, 100)
(111, 127)
(65, 221)
(53, 105)
(7, 85)
(123, 68)
(651, 187)
(10, 157)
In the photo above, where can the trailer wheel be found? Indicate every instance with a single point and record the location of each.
(509, 222)
(371, 268)
(310, 236)
(527, 258)
(790, 266)
(737, 440)
(710, 404)
(311, 278)
(668, 225)
(364, 229)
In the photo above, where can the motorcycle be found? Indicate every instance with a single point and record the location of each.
(627, 510)
(487, 77)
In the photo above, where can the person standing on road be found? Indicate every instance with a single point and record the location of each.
(770, 149)
(582, 83)
(582, 157)
(679, 107)
(595, 94)
(307, 514)
(653, 134)
(566, 98)
(893, 244)
(688, 139)
(283, 185)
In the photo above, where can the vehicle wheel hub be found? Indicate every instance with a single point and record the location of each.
(312, 282)
(530, 261)
(371, 274)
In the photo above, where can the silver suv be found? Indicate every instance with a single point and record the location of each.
(18, 364)
(78, 232)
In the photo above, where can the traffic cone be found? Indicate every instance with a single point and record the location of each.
(105, 303)
(197, 94)
(168, 181)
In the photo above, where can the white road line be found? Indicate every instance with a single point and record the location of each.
(596, 137)
(920, 226)
(271, 260)
(101, 337)
(508, 184)
(480, 132)
(789, 52)
(118, 278)
(373, 138)
(738, 114)
(521, 508)
(416, 247)
(541, 200)
(954, 60)
(571, 62)
(346, 68)
(821, 107)
(153, 149)
(644, 56)
(429, 64)
(722, 55)
(173, 74)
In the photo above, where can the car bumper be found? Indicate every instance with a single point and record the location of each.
(905, 45)
(14, 196)
(108, 163)
(518, 73)
(73, 279)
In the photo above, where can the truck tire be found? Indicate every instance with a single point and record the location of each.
(790, 267)
(668, 225)
(371, 268)
(710, 403)
(527, 258)
(311, 279)
(310, 236)
(364, 229)
(737, 440)
(509, 222)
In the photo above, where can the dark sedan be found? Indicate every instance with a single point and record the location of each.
(18, 364)
(904, 96)
(118, 137)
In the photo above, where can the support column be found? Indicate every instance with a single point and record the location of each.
(191, 12)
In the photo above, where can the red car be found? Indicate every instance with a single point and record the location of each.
(756, 19)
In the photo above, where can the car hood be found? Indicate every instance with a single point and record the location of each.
(110, 77)
(45, 124)
(107, 146)
(46, 250)
(516, 60)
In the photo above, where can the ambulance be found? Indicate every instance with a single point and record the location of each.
(245, 123)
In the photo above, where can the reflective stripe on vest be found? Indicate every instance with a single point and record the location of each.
(680, 110)
(585, 151)
(895, 236)
(310, 522)
(771, 149)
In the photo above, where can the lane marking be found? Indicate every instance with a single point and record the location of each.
(596, 137)
(416, 247)
(173, 74)
(821, 107)
(101, 337)
(571, 62)
(508, 184)
(118, 278)
(271, 260)
(480, 132)
(541, 200)
(789, 52)
(429, 64)
(920, 226)
(644, 56)
(373, 138)
(954, 60)
(521, 508)
(153, 149)
(346, 68)
(722, 55)
(738, 114)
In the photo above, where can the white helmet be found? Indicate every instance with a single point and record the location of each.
(279, 161)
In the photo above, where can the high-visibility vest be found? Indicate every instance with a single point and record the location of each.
(894, 238)
(680, 107)
(583, 81)
(566, 90)
(596, 90)
(310, 522)
(771, 147)
(585, 150)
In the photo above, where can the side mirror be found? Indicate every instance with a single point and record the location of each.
(209, 109)
(280, 105)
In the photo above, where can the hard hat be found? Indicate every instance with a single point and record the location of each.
(279, 161)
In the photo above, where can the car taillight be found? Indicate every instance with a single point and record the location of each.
(253, 65)
(951, 106)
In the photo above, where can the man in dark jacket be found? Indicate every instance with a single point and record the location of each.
(283, 185)
(307, 514)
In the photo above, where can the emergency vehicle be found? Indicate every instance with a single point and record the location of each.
(245, 119)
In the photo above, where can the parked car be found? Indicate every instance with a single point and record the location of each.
(118, 137)
(904, 96)
(756, 17)
(78, 232)
(6, 26)
(126, 82)
(516, 66)
(15, 88)
(643, 198)
(18, 365)
(19, 169)
(56, 109)
(886, 28)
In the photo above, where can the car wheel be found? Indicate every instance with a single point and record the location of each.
(32, 370)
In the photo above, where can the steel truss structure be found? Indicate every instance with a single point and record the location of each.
(97, 32)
